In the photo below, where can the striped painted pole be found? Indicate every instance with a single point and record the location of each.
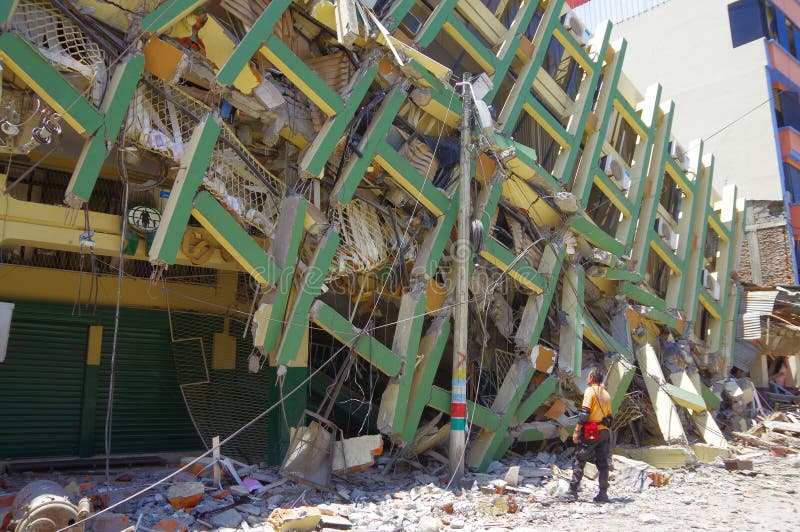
(458, 405)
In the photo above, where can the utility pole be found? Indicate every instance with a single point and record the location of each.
(458, 403)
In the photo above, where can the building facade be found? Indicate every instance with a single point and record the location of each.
(280, 184)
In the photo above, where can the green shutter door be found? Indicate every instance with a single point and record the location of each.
(149, 414)
(42, 385)
(41, 388)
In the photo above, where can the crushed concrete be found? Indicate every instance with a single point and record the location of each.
(707, 495)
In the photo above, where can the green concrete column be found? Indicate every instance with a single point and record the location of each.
(294, 405)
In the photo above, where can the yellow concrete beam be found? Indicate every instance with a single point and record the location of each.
(61, 286)
(24, 223)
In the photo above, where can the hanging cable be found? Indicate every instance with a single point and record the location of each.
(110, 403)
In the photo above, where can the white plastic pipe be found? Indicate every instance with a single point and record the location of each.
(5, 327)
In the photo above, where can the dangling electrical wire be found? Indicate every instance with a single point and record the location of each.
(110, 405)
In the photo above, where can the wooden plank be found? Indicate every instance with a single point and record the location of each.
(783, 426)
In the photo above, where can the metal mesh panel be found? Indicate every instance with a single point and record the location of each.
(220, 401)
(629, 410)
(366, 238)
(163, 119)
(59, 40)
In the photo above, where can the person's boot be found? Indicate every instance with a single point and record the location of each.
(602, 496)
(572, 493)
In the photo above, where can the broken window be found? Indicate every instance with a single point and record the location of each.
(603, 211)
(791, 37)
(711, 251)
(623, 138)
(791, 176)
(529, 132)
(563, 68)
(657, 274)
(671, 197)
(702, 325)
(446, 50)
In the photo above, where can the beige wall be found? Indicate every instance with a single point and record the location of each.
(686, 46)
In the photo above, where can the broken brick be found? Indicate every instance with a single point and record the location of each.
(659, 478)
(199, 467)
(737, 464)
(110, 522)
(185, 495)
(169, 524)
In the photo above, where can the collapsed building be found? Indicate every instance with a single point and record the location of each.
(214, 207)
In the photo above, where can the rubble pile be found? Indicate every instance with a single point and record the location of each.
(513, 494)
(778, 432)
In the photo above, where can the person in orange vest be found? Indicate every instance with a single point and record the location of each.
(592, 435)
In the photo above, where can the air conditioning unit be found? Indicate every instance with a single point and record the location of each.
(576, 27)
(711, 283)
(665, 231)
(485, 120)
(614, 168)
(679, 155)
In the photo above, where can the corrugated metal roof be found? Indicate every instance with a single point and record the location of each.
(593, 12)
(744, 354)
(754, 305)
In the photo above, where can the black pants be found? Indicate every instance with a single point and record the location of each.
(584, 451)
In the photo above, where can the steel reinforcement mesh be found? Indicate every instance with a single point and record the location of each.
(220, 393)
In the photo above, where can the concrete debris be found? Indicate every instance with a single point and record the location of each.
(590, 471)
(238, 490)
(354, 454)
(777, 429)
(335, 521)
(662, 456)
(303, 518)
(632, 473)
(111, 522)
(249, 509)
(401, 501)
(227, 519)
(512, 476)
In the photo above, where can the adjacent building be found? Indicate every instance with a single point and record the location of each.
(732, 69)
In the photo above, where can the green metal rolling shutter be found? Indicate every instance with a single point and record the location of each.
(41, 387)
(42, 384)
(149, 414)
